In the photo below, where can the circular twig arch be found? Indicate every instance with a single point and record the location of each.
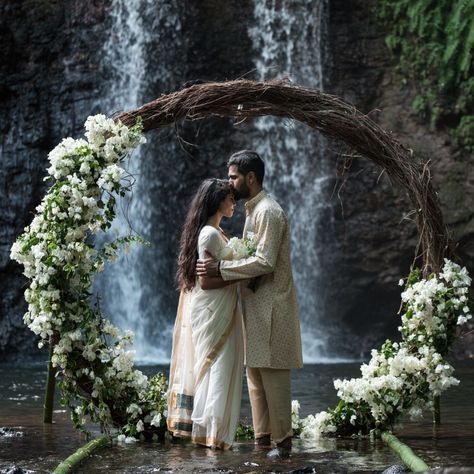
(324, 112)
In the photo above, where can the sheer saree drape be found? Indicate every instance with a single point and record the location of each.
(207, 359)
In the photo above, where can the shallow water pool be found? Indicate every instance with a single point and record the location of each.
(30, 444)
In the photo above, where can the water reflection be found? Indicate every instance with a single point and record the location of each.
(326, 456)
(40, 447)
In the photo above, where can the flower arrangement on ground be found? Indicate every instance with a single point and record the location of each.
(402, 378)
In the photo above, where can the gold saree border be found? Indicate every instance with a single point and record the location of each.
(210, 441)
(211, 357)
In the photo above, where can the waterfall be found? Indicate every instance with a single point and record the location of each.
(134, 30)
(142, 58)
(289, 39)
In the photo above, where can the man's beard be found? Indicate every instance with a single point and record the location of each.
(242, 193)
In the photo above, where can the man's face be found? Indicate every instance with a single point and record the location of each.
(238, 182)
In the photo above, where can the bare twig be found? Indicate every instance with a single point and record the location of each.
(324, 112)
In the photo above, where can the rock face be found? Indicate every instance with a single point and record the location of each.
(49, 81)
(374, 236)
(52, 76)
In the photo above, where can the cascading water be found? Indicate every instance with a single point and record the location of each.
(135, 29)
(288, 39)
(143, 57)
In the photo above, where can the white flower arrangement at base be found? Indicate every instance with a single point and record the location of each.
(403, 377)
(98, 379)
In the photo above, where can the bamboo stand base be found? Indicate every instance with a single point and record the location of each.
(409, 458)
(69, 464)
(50, 386)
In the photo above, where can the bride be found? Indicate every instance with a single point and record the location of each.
(207, 358)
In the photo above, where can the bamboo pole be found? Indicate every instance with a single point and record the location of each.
(437, 410)
(70, 463)
(50, 386)
(408, 457)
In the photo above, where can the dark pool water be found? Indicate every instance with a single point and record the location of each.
(40, 448)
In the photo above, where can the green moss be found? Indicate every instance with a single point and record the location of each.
(434, 41)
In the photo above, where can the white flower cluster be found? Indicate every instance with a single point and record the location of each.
(110, 177)
(432, 304)
(55, 242)
(59, 261)
(313, 426)
(243, 248)
(62, 157)
(404, 377)
(123, 439)
(295, 415)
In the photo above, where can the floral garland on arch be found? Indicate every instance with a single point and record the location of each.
(402, 378)
(98, 379)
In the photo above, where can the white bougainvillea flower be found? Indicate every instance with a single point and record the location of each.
(403, 377)
(59, 260)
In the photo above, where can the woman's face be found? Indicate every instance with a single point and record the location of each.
(227, 206)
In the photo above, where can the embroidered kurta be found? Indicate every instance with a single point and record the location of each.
(271, 317)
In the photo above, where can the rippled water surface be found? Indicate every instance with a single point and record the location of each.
(26, 442)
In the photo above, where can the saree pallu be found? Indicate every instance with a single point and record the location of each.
(206, 367)
(181, 378)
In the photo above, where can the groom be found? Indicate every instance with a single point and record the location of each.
(273, 340)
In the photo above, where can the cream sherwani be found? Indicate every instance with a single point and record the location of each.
(271, 317)
(273, 339)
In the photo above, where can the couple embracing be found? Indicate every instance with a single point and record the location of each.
(221, 322)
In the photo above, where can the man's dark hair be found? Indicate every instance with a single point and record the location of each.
(246, 161)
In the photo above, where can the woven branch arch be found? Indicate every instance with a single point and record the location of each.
(241, 99)
(324, 112)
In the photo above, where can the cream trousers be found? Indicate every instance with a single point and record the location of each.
(270, 398)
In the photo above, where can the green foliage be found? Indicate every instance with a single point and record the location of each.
(465, 132)
(435, 42)
(244, 432)
(156, 393)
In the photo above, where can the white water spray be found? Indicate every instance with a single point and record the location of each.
(126, 61)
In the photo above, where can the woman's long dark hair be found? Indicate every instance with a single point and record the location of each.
(204, 204)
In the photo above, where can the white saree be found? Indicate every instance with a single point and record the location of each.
(207, 359)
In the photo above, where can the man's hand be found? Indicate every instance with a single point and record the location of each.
(207, 267)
